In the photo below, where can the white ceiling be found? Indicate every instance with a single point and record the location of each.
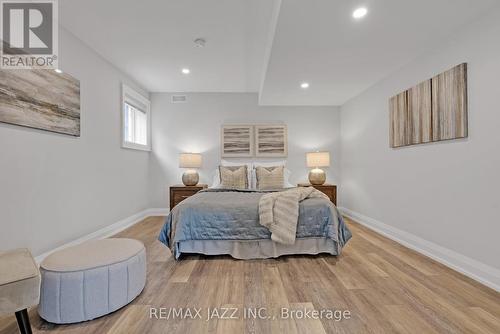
(152, 40)
(269, 46)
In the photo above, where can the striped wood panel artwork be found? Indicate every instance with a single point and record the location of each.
(434, 110)
(449, 104)
(419, 113)
(399, 120)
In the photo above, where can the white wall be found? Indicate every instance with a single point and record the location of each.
(55, 188)
(447, 192)
(195, 127)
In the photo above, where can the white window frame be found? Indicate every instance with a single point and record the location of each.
(133, 98)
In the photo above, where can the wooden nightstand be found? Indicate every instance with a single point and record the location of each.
(329, 189)
(178, 193)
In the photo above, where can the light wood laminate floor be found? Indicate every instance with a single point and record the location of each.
(386, 287)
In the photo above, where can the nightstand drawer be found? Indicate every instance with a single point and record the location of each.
(179, 196)
(180, 193)
(330, 192)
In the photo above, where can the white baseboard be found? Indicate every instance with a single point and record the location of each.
(474, 269)
(153, 212)
(109, 230)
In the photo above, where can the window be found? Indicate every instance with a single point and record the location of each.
(135, 120)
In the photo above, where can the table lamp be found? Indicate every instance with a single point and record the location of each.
(190, 161)
(315, 160)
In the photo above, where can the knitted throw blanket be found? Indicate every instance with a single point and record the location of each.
(279, 212)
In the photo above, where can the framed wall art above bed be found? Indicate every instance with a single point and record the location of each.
(248, 140)
(271, 141)
(237, 141)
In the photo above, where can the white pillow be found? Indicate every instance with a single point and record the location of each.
(286, 181)
(215, 179)
(286, 174)
(225, 163)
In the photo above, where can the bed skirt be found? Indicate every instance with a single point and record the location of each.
(258, 249)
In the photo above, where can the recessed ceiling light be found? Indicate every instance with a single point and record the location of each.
(304, 85)
(186, 71)
(360, 12)
(58, 70)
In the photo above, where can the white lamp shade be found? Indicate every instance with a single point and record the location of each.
(318, 159)
(190, 160)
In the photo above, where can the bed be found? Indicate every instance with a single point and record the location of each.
(226, 221)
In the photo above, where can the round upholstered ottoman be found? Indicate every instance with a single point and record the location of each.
(92, 279)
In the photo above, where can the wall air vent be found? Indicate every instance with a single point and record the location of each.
(179, 99)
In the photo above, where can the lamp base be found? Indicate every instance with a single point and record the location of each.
(190, 178)
(317, 177)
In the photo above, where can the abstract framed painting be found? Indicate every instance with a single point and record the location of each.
(271, 141)
(41, 99)
(237, 141)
